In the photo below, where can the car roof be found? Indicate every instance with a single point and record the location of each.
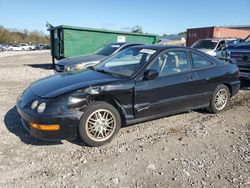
(125, 43)
(159, 47)
(220, 39)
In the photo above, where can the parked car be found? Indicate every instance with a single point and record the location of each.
(210, 45)
(83, 61)
(15, 47)
(47, 47)
(39, 46)
(240, 52)
(137, 84)
(21, 47)
(2, 48)
(27, 47)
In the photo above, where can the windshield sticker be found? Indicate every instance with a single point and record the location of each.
(148, 51)
(115, 46)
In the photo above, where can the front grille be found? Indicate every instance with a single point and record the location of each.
(59, 68)
(241, 57)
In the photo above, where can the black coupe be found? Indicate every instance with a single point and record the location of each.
(137, 84)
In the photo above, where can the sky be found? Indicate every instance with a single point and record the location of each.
(154, 16)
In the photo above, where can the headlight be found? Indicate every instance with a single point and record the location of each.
(74, 67)
(81, 65)
(34, 104)
(41, 107)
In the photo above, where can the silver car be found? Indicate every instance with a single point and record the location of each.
(84, 61)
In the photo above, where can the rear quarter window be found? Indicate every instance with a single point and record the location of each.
(200, 61)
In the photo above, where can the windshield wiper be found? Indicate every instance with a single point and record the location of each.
(103, 71)
(106, 72)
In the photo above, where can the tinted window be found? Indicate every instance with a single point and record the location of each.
(171, 62)
(200, 61)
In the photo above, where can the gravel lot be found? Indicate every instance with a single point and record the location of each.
(194, 149)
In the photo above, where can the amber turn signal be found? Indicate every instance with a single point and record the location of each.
(53, 127)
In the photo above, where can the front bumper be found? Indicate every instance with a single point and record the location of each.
(68, 121)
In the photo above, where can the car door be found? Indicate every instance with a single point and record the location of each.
(206, 76)
(173, 90)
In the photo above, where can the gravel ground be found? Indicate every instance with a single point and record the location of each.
(194, 149)
(14, 53)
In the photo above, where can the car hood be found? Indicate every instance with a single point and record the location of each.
(242, 45)
(80, 59)
(60, 84)
(208, 51)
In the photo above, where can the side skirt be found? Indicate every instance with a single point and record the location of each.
(143, 119)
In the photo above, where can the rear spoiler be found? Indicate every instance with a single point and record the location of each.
(228, 60)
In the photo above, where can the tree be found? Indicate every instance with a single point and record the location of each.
(11, 36)
(137, 29)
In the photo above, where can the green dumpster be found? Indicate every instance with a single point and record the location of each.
(67, 41)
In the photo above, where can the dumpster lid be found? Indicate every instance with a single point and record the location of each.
(99, 30)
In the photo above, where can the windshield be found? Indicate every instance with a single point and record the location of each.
(205, 44)
(126, 62)
(108, 50)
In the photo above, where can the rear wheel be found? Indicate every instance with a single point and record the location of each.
(220, 99)
(99, 124)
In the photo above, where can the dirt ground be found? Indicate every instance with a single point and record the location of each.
(194, 149)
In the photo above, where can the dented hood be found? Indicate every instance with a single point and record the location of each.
(60, 84)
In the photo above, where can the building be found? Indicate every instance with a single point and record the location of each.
(195, 34)
(173, 40)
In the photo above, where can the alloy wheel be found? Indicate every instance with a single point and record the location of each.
(100, 125)
(220, 100)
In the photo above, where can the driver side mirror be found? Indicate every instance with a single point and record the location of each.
(150, 74)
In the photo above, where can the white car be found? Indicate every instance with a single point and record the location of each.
(15, 48)
(209, 45)
(21, 47)
(27, 47)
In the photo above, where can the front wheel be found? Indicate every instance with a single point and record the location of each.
(99, 124)
(220, 99)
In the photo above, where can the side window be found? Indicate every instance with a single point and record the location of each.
(171, 62)
(200, 61)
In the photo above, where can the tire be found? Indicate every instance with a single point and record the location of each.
(217, 103)
(99, 124)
